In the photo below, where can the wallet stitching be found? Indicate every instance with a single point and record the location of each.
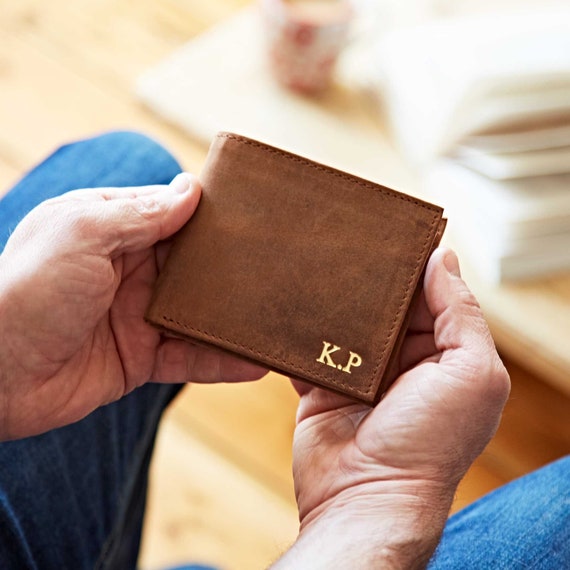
(328, 170)
(344, 176)
(429, 239)
(311, 373)
(268, 356)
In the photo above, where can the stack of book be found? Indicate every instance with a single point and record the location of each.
(482, 106)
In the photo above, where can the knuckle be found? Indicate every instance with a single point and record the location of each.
(500, 379)
(490, 373)
(147, 207)
(145, 211)
(468, 300)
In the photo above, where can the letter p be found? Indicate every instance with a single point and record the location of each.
(354, 360)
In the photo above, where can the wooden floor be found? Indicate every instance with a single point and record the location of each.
(221, 490)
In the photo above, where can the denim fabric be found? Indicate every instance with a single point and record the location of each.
(113, 159)
(525, 524)
(74, 498)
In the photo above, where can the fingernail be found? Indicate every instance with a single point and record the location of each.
(182, 182)
(452, 263)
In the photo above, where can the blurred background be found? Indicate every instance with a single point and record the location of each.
(463, 103)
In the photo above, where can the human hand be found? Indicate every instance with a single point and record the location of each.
(75, 279)
(374, 486)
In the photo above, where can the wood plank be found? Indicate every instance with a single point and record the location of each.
(251, 424)
(80, 109)
(534, 429)
(478, 481)
(530, 322)
(110, 41)
(9, 174)
(202, 508)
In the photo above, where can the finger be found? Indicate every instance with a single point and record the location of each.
(315, 401)
(138, 222)
(460, 330)
(161, 251)
(178, 361)
(458, 319)
(416, 348)
(301, 388)
(421, 320)
(122, 220)
(107, 221)
(118, 193)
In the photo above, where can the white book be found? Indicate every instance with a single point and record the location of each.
(517, 164)
(445, 80)
(526, 137)
(509, 230)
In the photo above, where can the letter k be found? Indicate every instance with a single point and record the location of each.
(325, 357)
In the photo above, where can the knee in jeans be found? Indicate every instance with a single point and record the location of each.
(137, 142)
(125, 158)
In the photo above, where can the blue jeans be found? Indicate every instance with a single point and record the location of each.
(525, 524)
(74, 498)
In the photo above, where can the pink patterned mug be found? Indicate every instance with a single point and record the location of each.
(304, 39)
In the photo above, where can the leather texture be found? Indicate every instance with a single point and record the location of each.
(305, 269)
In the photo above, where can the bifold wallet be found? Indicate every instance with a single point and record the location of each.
(302, 268)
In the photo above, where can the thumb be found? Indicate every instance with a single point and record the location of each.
(131, 219)
(105, 221)
(460, 331)
(459, 321)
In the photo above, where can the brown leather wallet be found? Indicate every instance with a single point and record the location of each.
(305, 269)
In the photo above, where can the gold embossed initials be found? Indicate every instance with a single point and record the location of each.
(354, 360)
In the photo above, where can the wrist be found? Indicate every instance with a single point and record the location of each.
(364, 530)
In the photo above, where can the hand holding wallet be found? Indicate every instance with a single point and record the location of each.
(300, 267)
